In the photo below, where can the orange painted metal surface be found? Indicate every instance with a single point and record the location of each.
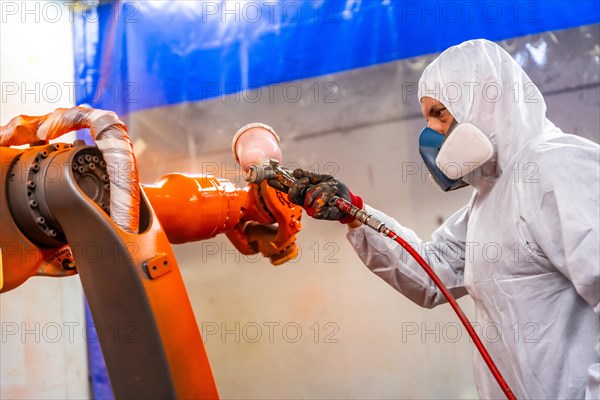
(257, 218)
(192, 208)
(19, 258)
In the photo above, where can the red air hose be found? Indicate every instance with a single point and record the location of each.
(461, 315)
(372, 222)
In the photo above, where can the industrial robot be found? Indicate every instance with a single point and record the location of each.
(59, 200)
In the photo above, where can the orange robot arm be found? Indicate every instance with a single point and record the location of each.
(192, 208)
(256, 218)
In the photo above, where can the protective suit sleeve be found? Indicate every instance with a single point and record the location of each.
(565, 227)
(445, 254)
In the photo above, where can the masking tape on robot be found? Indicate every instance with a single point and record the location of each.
(244, 129)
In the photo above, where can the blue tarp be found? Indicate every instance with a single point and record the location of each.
(100, 386)
(131, 56)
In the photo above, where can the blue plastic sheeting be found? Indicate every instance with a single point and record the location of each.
(136, 55)
(101, 388)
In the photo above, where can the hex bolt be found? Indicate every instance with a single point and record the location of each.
(52, 232)
(96, 159)
(80, 160)
(31, 184)
(88, 158)
(75, 166)
(102, 163)
(55, 146)
(92, 166)
(35, 167)
(40, 220)
(68, 264)
(104, 178)
(33, 203)
(43, 154)
(81, 170)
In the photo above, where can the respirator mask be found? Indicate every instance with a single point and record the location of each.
(451, 157)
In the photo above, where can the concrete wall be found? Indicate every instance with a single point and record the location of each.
(42, 347)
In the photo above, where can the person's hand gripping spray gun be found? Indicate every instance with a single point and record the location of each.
(346, 207)
(282, 179)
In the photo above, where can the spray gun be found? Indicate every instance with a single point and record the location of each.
(271, 169)
(257, 173)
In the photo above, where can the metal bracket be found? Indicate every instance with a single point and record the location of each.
(157, 266)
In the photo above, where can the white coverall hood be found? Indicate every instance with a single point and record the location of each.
(526, 248)
(482, 84)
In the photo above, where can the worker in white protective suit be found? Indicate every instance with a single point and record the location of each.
(535, 198)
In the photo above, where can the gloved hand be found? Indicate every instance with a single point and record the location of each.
(313, 192)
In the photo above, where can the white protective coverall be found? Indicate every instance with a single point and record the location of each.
(537, 205)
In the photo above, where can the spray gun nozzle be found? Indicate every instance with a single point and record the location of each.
(258, 173)
(269, 170)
